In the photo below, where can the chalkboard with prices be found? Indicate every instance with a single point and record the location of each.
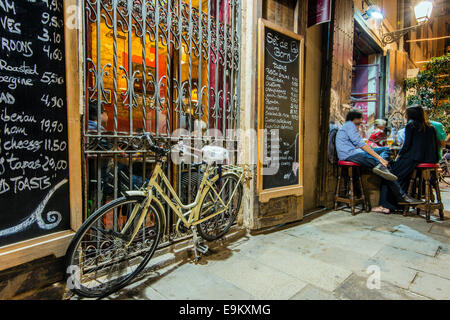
(279, 112)
(34, 188)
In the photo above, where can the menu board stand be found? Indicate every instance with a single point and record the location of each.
(280, 136)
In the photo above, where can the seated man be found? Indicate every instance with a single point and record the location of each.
(351, 147)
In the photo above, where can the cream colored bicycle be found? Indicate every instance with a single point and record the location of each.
(117, 241)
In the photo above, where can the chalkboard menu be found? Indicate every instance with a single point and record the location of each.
(279, 109)
(34, 190)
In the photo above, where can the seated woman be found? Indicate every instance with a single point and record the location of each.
(420, 146)
(378, 136)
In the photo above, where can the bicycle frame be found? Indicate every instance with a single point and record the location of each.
(193, 208)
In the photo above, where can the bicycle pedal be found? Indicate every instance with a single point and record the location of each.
(202, 248)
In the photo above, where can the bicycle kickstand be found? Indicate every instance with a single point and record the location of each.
(198, 246)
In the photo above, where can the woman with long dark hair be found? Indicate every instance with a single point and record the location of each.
(420, 146)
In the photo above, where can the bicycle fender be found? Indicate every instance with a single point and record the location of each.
(133, 193)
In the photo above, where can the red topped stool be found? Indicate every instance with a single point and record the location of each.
(420, 176)
(350, 185)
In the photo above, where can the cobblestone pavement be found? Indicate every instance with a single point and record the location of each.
(331, 256)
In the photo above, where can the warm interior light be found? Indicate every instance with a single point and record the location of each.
(423, 11)
(194, 96)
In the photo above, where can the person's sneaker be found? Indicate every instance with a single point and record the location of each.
(407, 200)
(384, 172)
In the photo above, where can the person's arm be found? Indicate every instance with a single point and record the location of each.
(370, 151)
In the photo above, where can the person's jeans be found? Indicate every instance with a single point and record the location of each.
(366, 160)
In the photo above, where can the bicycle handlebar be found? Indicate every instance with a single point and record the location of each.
(153, 147)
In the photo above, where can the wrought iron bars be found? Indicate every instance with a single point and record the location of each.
(144, 60)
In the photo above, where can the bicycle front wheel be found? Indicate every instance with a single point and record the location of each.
(100, 259)
(229, 189)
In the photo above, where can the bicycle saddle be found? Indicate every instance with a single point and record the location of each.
(214, 154)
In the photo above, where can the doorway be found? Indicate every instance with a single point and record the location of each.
(368, 78)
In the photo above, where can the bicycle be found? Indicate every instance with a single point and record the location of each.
(444, 171)
(118, 240)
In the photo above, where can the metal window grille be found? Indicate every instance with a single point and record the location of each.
(155, 66)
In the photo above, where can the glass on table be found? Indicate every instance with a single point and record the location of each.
(390, 141)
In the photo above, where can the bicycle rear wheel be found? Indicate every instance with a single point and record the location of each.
(98, 259)
(230, 191)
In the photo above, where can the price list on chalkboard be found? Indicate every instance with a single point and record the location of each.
(281, 109)
(34, 191)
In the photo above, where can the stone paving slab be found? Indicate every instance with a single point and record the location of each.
(393, 272)
(444, 258)
(322, 275)
(416, 261)
(355, 241)
(311, 292)
(440, 230)
(138, 290)
(375, 220)
(355, 288)
(151, 294)
(346, 259)
(280, 240)
(431, 286)
(190, 282)
(261, 281)
(399, 239)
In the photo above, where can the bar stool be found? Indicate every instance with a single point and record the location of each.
(350, 186)
(423, 173)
